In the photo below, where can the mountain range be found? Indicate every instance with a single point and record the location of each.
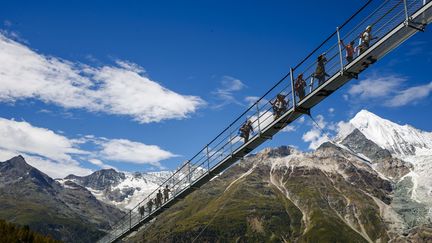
(66, 211)
(371, 184)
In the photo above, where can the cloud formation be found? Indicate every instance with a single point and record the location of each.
(315, 137)
(410, 95)
(225, 94)
(122, 89)
(44, 149)
(390, 91)
(124, 150)
(101, 164)
(376, 87)
(22, 137)
(250, 100)
(59, 156)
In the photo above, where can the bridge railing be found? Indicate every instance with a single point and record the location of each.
(382, 16)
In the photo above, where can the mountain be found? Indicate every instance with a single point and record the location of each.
(372, 185)
(380, 158)
(123, 190)
(66, 211)
(405, 143)
(99, 180)
(365, 188)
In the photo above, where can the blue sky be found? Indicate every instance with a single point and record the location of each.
(203, 58)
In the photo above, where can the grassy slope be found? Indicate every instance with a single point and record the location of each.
(44, 219)
(253, 210)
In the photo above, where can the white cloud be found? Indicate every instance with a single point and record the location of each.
(321, 121)
(7, 23)
(251, 99)
(343, 129)
(289, 128)
(42, 148)
(119, 90)
(314, 136)
(133, 152)
(231, 84)
(59, 156)
(301, 119)
(7, 154)
(375, 87)
(52, 168)
(101, 164)
(96, 162)
(225, 94)
(57, 169)
(265, 118)
(25, 138)
(331, 110)
(44, 111)
(387, 91)
(410, 95)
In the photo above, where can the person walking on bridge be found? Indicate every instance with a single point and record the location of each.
(158, 199)
(166, 192)
(150, 205)
(320, 72)
(279, 105)
(365, 40)
(349, 49)
(141, 210)
(299, 86)
(245, 130)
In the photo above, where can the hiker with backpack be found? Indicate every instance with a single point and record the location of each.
(299, 86)
(150, 205)
(365, 39)
(158, 199)
(245, 130)
(349, 50)
(141, 211)
(279, 105)
(166, 191)
(320, 72)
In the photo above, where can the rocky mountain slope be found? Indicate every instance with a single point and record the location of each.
(373, 185)
(66, 211)
(405, 143)
(123, 190)
(357, 190)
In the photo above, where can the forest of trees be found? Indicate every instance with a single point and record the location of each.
(21, 234)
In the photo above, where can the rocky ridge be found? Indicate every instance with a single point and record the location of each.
(355, 191)
(66, 211)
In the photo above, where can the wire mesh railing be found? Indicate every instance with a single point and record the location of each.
(380, 16)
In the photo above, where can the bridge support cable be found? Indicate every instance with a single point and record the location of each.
(390, 26)
(340, 51)
(293, 88)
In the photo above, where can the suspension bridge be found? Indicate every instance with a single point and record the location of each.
(392, 22)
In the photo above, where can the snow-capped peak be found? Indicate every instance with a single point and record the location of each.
(401, 140)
